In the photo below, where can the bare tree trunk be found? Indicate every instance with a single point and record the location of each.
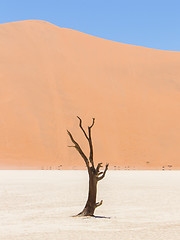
(91, 202)
(94, 173)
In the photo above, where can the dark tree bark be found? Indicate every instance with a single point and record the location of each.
(94, 173)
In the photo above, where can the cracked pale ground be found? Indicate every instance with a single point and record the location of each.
(38, 205)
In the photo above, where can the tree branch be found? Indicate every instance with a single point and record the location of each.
(90, 144)
(99, 203)
(104, 173)
(98, 167)
(78, 148)
(92, 123)
(89, 141)
(80, 125)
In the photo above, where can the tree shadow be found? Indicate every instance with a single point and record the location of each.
(102, 217)
(94, 216)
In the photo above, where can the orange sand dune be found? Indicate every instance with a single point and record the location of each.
(49, 75)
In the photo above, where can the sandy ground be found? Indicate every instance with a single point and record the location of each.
(38, 205)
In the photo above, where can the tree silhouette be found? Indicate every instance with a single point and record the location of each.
(95, 175)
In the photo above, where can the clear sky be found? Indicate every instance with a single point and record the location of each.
(148, 23)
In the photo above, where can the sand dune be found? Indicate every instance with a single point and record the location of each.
(49, 75)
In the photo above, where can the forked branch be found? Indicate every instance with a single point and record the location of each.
(89, 140)
(98, 168)
(99, 203)
(104, 173)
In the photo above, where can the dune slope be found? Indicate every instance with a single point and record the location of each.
(49, 75)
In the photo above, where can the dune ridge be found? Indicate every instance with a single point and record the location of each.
(49, 75)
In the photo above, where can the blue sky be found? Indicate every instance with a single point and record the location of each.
(148, 23)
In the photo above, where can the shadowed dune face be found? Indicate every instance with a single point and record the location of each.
(49, 75)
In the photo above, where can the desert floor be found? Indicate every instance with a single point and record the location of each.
(38, 205)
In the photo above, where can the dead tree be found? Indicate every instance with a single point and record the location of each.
(95, 174)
